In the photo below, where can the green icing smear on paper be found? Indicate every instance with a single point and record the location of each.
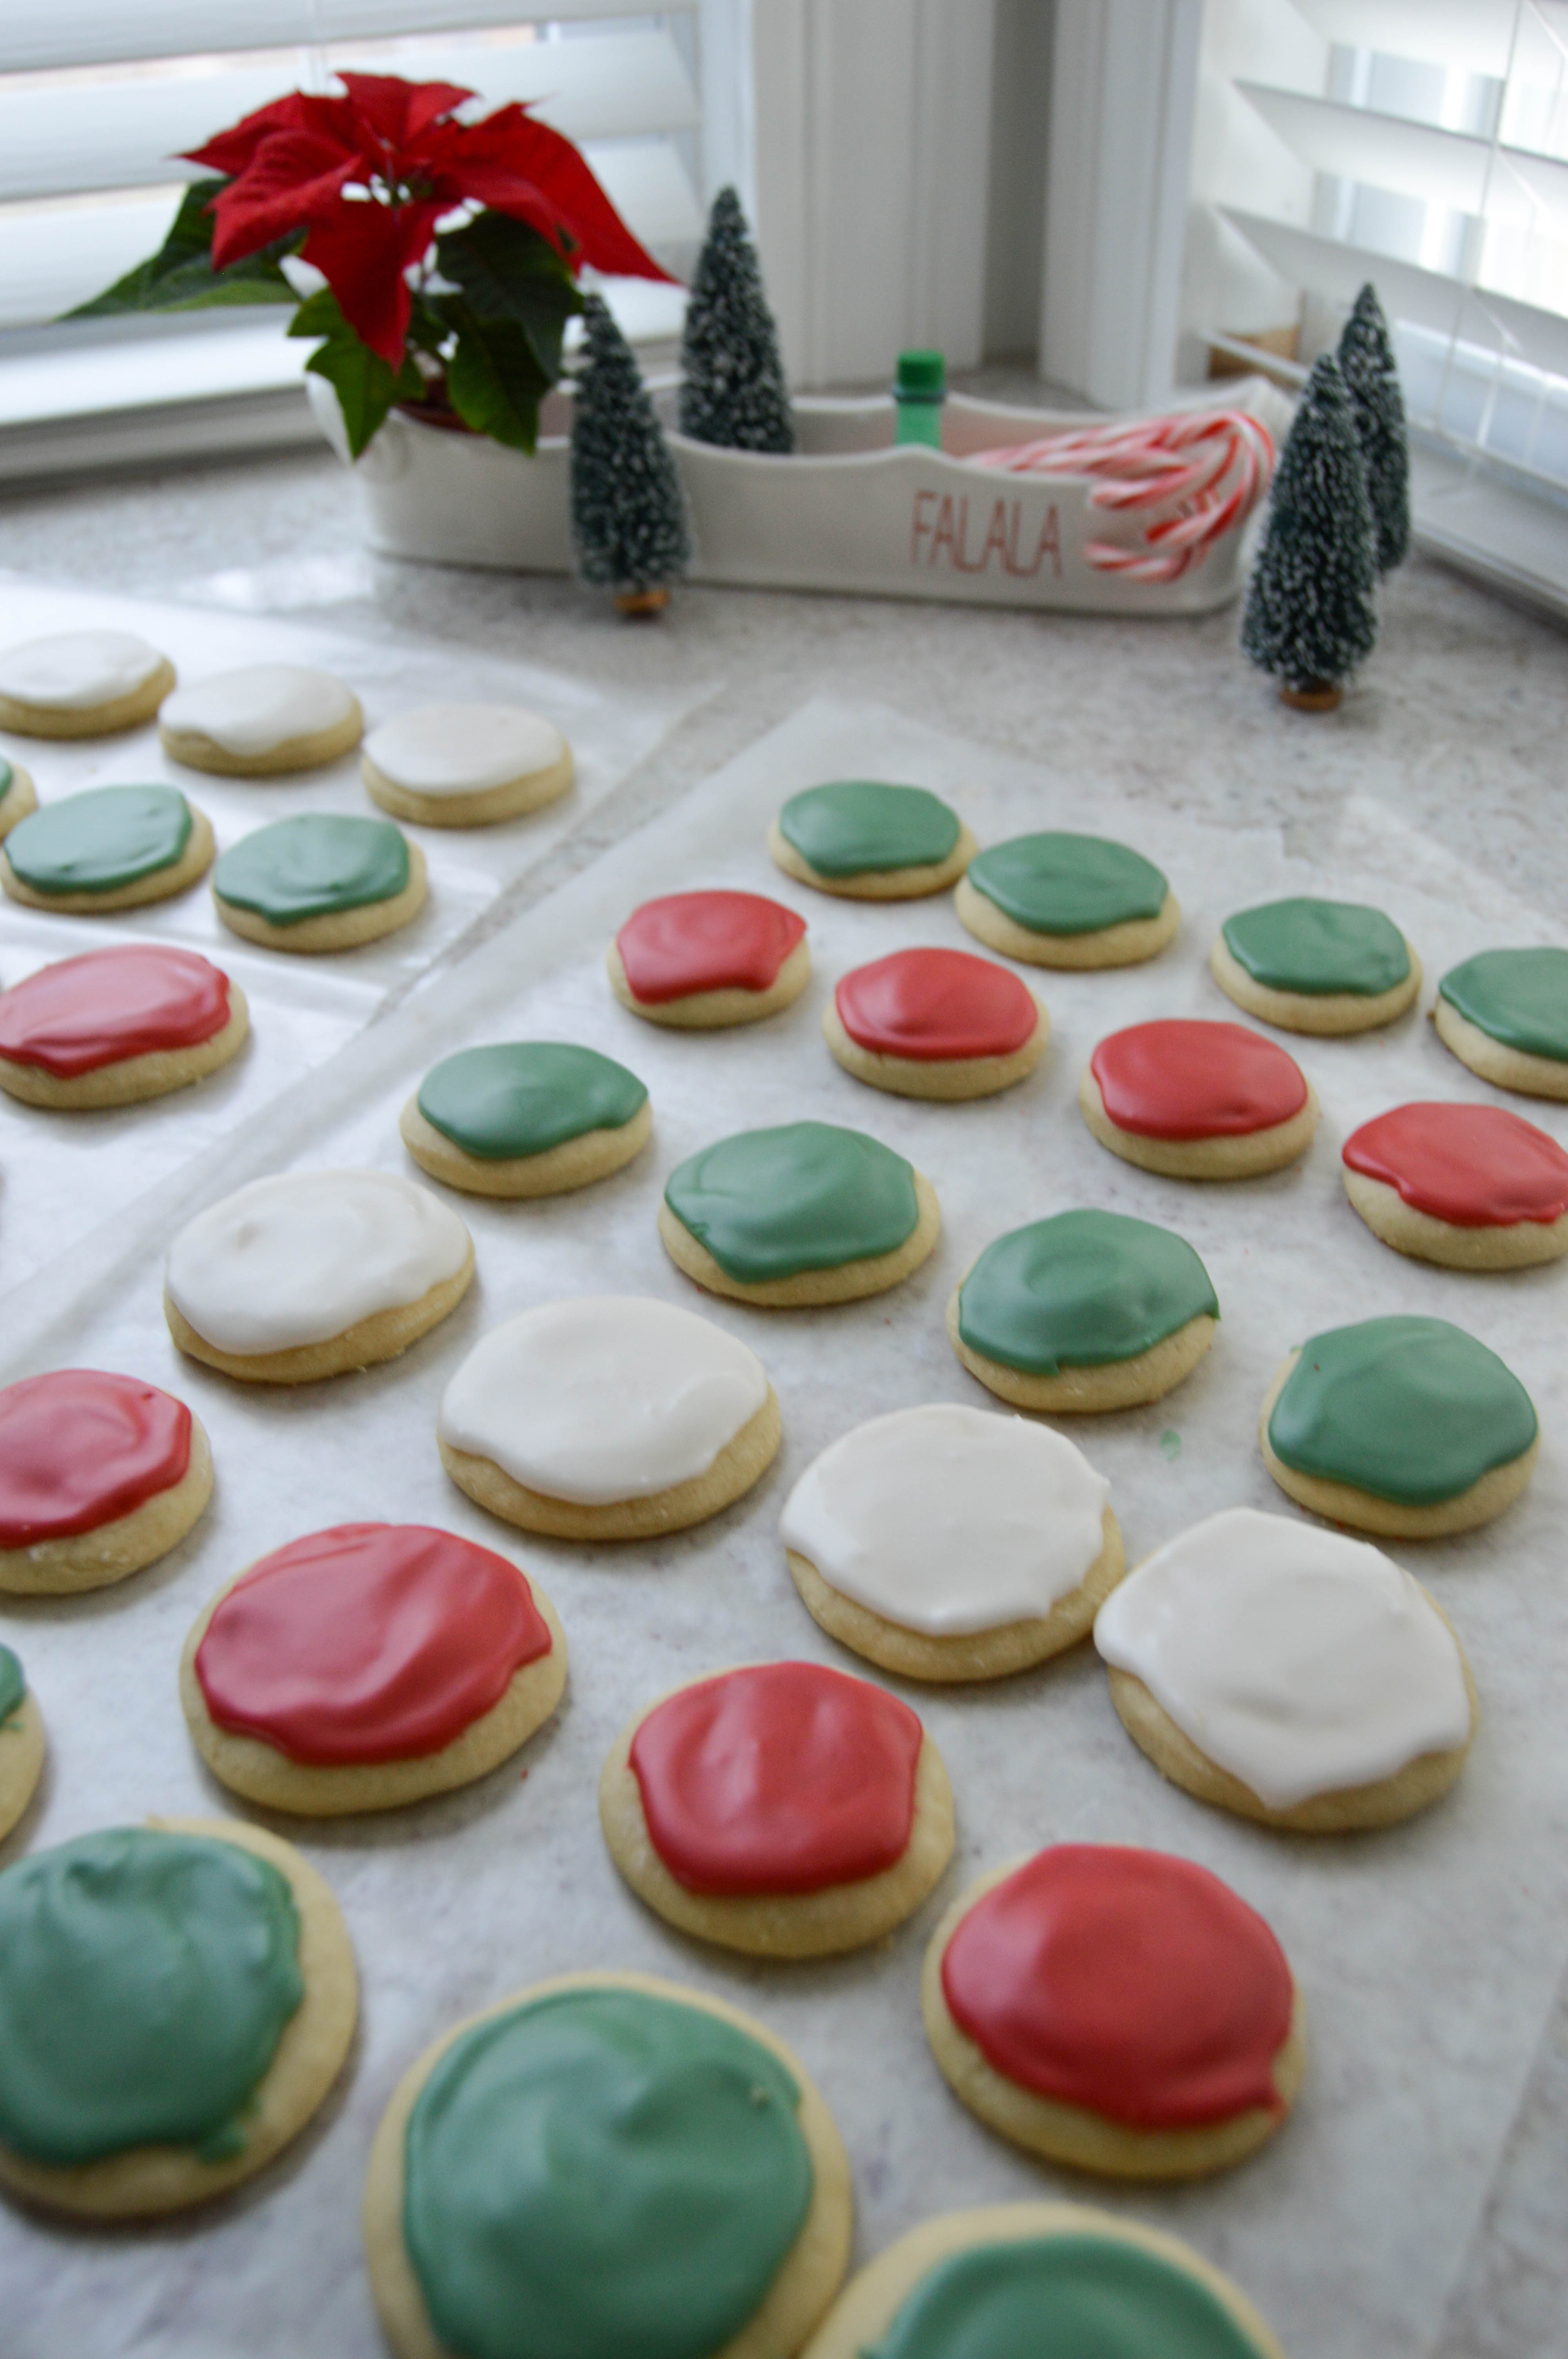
(1081, 1291)
(145, 1980)
(316, 864)
(12, 1685)
(1318, 948)
(96, 841)
(1068, 884)
(1170, 1444)
(858, 826)
(1517, 997)
(524, 1097)
(769, 1203)
(1411, 1409)
(602, 2174)
(1073, 2297)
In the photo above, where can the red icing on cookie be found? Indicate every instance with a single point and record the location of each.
(371, 1642)
(784, 1777)
(79, 1449)
(931, 1005)
(1476, 1165)
(1129, 1983)
(706, 941)
(1181, 1078)
(109, 1004)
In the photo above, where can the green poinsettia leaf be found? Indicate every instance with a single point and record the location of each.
(510, 275)
(180, 277)
(366, 386)
(494, 381)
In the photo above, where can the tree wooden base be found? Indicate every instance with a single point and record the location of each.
(1317, 696)
(637, 602)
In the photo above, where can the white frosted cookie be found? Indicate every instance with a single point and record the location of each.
(261, 719)
(17, 795)
(82, 684)
(608, 1418)
(953, 1543)
(21, 1742)
(465, 765)
(308, 1274)
(1289, 1674)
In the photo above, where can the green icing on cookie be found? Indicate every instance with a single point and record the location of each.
(12, 1685)
(1318, 947)
(1068, 884)
(1411, 1409)
(1081, 1291)
(7, 776)
(96, 841)
(858, 826)
(1518, 997)
(771, 1204)
(602, 2174)
(526, 1096)
(145, 1980)
(1081, 2297)
(316, 864)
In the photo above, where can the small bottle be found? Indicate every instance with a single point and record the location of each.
(919, 390)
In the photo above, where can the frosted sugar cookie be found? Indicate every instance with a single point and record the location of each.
(176, 2000)
(21, 1742)
(115, 1026)
(935, 1023)
(606, 2163)
(703, 961)
(608, 1418)
(1469, 1187)
(947, 1543)
(261, 719)
(17, 796)
(365, 1667)
(807, 1213)
(1085, 1310)
(319, 882)
(1288, 1674)
(1027, 2279)
(82, 684)
(309, 1274)
(781, 1809)
(1316, 966)
(525, 1118)
(869, 842)
(108, 848)
(465, 765)
(1116, 2009)
(1505, 1014)
(1067, 901)
(99, 1475)
(1197, 1101)
(1404, 1427)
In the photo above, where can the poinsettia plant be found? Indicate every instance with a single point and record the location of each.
(449, 249)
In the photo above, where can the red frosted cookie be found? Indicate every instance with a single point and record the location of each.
(935, 1023)
(116, 1026)
(99, 1475)
(360, 1668)
(1197, 1100)
(1472, 1186)
(1118, 2009)
(783, 1809)
(701, 961)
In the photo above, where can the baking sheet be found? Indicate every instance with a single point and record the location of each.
(1428, 1953)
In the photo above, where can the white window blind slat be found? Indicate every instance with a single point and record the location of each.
(1474, 36)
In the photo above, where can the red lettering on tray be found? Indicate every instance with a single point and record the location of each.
(950, 532)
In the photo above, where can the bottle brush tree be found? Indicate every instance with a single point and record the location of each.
(628, 512)
(733, 391)
(1311, 616)
(1372, 380)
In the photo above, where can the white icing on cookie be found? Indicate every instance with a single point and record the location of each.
(305, 1255)
(463, 749)
(258, 709)
(1299, 1660)
(606, 1398)
(949, 1519)
(77, 669)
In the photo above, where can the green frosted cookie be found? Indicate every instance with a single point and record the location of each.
(859, 835)
(316, 864)
(1519, 998)
(1318, 947)
(524, 1097)
(108, 840)
(806, 1212)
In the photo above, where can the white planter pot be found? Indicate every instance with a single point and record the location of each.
(847, 511)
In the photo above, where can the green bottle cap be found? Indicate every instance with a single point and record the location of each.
(921, 377)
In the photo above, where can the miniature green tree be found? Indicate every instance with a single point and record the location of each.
(733, 390)
(628, 513)
(1372, 379)
(1311, 616)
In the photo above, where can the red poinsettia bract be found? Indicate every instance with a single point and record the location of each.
(369, 174)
